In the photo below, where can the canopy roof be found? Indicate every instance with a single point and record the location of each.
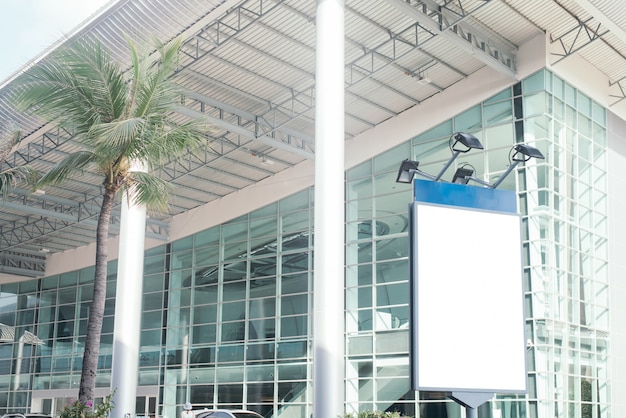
(250, 66)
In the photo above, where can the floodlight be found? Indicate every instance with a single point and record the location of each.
(407, 171)
(462, 175)
(527, 151)
(520, 153)
(468, 142)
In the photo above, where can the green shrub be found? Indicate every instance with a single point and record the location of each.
(77, 409)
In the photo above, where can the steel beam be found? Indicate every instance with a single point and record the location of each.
(578, 37)
(455, 29)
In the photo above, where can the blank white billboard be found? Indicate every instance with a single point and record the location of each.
(468, 312)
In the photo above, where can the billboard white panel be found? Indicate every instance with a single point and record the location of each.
(468, 324)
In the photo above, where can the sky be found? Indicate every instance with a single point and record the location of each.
(28, 27)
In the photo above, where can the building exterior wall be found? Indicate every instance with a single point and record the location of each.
(226, 305)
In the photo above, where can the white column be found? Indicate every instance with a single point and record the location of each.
(128, 298)
(328, 287)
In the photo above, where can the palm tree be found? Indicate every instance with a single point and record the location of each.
(11, 175)
(118, 117)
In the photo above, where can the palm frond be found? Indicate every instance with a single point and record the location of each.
(11, 176)
(70, 165)
(77, 87)
(165, 141)
(8, 139)
(116, 135)
(149, 190)
(105, 80)
(157, 92)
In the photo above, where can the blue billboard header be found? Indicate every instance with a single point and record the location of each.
(464, 196)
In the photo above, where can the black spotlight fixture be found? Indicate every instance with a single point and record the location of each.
(462, 143)
(527, 152)
(407, 171)
(463, 174)
(522, 153)
(467, 140)
(519, 153)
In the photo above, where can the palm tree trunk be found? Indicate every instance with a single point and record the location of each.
(96, 313)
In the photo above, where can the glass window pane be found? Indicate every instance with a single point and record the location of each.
(261, 267)
(443, 130)
(293, 326)
(392, 271)
(293, 263)
(230, 353)
(293, 305)
(150, 338)
(388, 160)
(206, 256)
(468, 121)
(498, 113)
(432, 154)
(263, 227)
(297, 201)
(182, 244)
(154, 264)
(262, 329)
(362, 170)
(235, 271)
(233, 310)
(262, 308)
(359, 189)
(68, 279)
(206, 275)
(151, 319)
(204, 314)
(260, 373)
(234, 291)
(235, 232)
(203, 334)
(265, 212)
(233, 331)
(235, 250)
(392, 248)
(291, 349)
(294, 283)
(205, 294)
(392, 294)
(535, 104)
(294, 222)
(534, 83)
(294, 371)
(207, 237)
(503, 95)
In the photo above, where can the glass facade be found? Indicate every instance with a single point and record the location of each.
(226, 319)
(567, 252)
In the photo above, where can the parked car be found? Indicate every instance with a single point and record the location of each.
(28, 415)
(226, 413)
